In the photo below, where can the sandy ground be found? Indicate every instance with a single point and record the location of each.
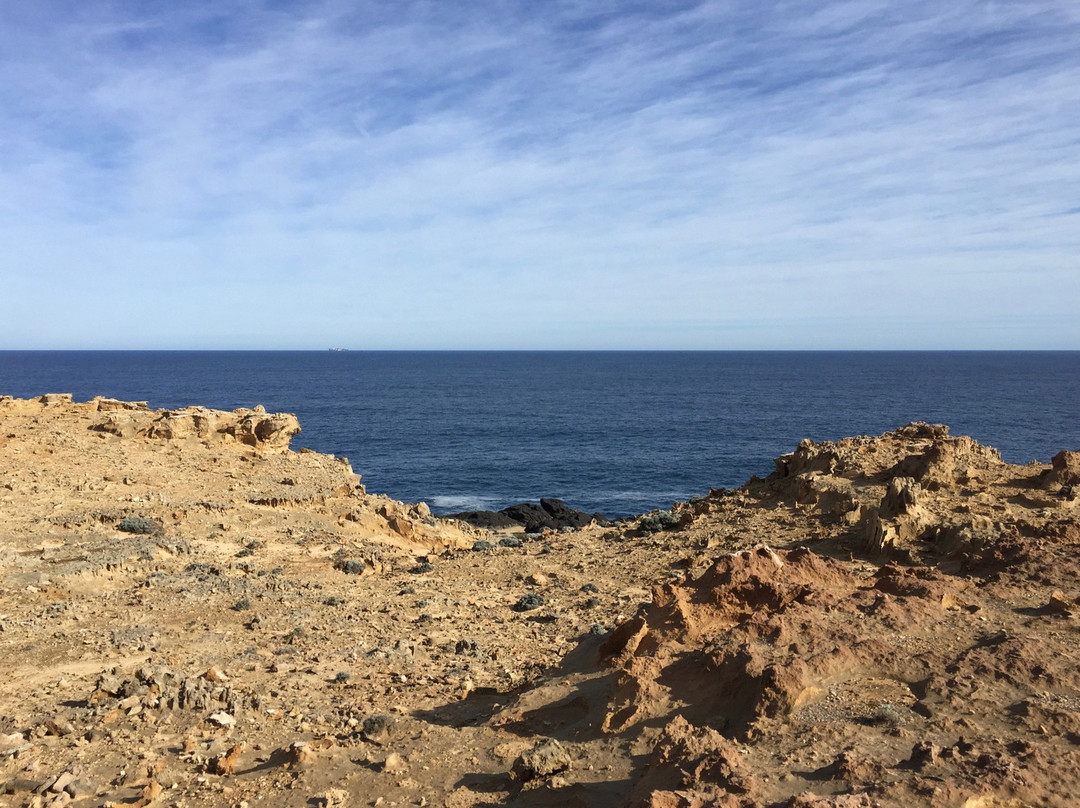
(191, 614)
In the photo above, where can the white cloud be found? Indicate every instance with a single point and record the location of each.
(713, 176)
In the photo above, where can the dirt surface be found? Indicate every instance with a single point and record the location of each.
(191, 614)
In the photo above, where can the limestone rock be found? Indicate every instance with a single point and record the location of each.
(1059, 604)
(215, 674)
(898, 520)
(394, 764)
(226, 764)
(1064, 470)
(222, 719)
(946, 461)
(547, 758)
(115, 424)
(809, 457)
(193, 422)
(333, 798)
(900, 498)
(692, 761)
(263, 430)
(301, 754)
(12, 744)
(102, 404)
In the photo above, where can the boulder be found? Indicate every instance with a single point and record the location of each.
(1064, 470)
(547, 758)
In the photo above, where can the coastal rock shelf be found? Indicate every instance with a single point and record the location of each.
(194, 614)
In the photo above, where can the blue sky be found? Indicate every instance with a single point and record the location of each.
(510, 174)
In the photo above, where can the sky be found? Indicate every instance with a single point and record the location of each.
(538, 174)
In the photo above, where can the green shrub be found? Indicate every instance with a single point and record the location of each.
(528, 602)
(887, 715)
(138, 524)
(655, 522)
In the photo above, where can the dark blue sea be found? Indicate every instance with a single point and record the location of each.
(620, 433)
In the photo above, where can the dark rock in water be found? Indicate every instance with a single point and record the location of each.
(531, 515)
(564, 515)
(485, 519)
(550, 514)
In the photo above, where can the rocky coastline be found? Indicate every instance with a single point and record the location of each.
(193, 614)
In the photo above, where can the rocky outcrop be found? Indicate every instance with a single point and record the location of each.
(183, 467)
(899, 519)
(908, 492)
(255, 427)
(913, 624)
(534, 517)
(1064, 470)
(946, 461)
(262, 430)
(547, 758)
(564, 516)
(733, 680)
(921, 451)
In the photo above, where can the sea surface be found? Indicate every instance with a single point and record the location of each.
(616, 432)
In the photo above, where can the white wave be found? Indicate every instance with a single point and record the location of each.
(465, 502)
(619, 502)
(639, 496)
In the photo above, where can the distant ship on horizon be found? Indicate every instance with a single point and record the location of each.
(338, 350)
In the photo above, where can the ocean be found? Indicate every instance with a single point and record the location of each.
(616, 432)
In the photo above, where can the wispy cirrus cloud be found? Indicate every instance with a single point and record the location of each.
(423, 174)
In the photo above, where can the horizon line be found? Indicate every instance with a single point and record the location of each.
(538, 350)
